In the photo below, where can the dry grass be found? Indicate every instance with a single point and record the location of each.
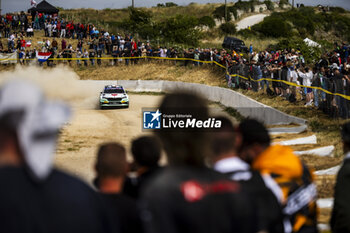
(117, 15)
(283, 137)
(154, 71)
(324, 217)
(326, 129)
(258, 44)
(320, 163)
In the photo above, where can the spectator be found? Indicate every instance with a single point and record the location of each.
(146, 153)
(225, 158)
(293, 177)
(182, 197)
(111, 167)
(341, 208)
(34, 196)
(307, 77)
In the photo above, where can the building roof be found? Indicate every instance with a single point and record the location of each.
(44, 7)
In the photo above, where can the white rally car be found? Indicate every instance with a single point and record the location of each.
(113, 96)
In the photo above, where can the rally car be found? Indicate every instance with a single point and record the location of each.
(113, 96)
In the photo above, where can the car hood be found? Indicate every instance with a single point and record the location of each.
(114, 95)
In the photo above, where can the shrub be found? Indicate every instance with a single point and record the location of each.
(337, 10)
(282, 3)
(219, 13)
(228, 28)
(246, 33)
(207, 21)
(170, 4)
(181, 29)
(273, 27)
(269, 5)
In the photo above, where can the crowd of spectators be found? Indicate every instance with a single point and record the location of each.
(285, 70)
(330, 73)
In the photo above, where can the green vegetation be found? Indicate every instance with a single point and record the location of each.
(207, 21)
(195, 25)
(305, 22)
(228, 28)
(167, 4)
(310, 54)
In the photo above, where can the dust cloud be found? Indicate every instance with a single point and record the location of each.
(59, 83)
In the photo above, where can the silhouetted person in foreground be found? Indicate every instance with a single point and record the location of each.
(34, 196)
(186, 196)
(111, 167)
(297, 188)
(341, 209)
(146, 152)
(225, 159)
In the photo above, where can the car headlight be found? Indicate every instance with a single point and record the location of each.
(125, 100)
(104, 101)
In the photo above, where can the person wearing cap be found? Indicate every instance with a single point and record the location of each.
(341, 209)
(34, 196)
(293, 177)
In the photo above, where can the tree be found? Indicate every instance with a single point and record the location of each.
(219, 13)
(207, 21)
(170, 4)
(269, 5)
(181, 29)
(273, 27)
(228, 28)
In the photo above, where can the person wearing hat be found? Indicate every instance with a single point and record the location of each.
(341, 208)
(292, 176)
(34, 196)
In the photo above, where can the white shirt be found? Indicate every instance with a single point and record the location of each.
(293, 76)
(307, 77)
(233, 164)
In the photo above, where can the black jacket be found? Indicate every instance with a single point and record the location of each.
(195, 200)
(340, 220)
(59, 204)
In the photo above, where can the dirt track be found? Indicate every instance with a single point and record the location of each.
(91, 127)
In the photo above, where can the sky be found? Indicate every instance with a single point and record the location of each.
(23, 5)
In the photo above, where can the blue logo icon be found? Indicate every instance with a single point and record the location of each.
(152, 120)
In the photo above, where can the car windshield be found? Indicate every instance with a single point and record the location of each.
(114, 90)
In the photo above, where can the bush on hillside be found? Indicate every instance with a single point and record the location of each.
(269, 5)
(139, 21)
(170, 4)
(303, 22)
(219, 13)
(181, 29)
(273, 27)
(337, 10)
(228, 28)
(207, 21)
(282, 3)
(246, 6)
(246, 33)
